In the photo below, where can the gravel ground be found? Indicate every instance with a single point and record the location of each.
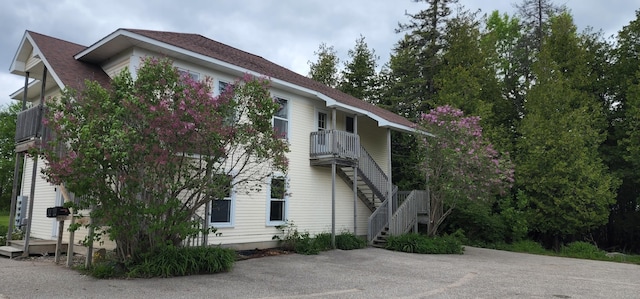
(365, 273)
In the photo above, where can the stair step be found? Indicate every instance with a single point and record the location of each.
(10, 251)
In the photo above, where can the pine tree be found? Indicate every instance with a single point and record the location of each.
(325, 69)
(359, 74)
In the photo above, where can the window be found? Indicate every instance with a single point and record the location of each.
(281, 119)
(222, 209)
(183, 73)
(349, 124)
(277, 203)
(232, 117)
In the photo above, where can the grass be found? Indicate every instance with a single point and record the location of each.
(579, 250)
(4, 219)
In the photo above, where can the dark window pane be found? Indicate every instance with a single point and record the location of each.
(349, 124)
(280, 126)
(277, 210)
(277, 188)
(283, 111)
(221, 210)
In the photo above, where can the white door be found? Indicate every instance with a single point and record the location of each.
(322, 124)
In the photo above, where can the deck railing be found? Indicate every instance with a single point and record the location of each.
(334, 143)
(29, 123)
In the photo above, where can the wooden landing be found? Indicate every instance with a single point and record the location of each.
(36, 247)
(10, 251)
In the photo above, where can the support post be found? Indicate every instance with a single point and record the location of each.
(355, 182)
(389, 183)
(333, 187)
(14, 196)
(59, 241)
(17, 171)
(27, 234)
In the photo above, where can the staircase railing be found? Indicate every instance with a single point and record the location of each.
(372, 174)
(378, 221)
(197, 239)
(405, 217)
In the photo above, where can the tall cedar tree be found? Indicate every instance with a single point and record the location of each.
(623, 143)
(325, 69)
(359, 74)
(409, 83)
(558, 168)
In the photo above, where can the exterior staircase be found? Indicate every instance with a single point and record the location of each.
(342, 148)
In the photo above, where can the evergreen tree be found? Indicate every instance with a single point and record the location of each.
(621, 148)
(558, 169)
(359, 74)
(325, 69)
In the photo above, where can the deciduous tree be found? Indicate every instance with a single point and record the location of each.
(148, 153)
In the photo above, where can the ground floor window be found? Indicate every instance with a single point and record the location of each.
(222, 209)
(277, 201)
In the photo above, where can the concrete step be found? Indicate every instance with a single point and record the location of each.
(10, 251)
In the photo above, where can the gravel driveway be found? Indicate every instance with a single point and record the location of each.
(365, 273)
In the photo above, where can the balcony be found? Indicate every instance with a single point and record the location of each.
(329, 146)
(29, 128)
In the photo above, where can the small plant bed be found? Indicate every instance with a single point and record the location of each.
(417, 243)
(303, 243)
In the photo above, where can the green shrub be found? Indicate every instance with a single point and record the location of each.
(305, 244)
(527, 246)
(582, 250)
(180, 261)
(349, 241)
(416, 243)
(323, 241)
(17, 235)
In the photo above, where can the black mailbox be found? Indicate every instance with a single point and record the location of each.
(57, 211)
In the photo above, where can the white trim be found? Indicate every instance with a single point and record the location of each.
(232, 210)
(268, 221)
(316, 111)
(287, 119)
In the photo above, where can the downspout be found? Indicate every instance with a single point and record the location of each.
(333, 184)
(355, 181)
(16, 171)
(389, 183)
(34, 173)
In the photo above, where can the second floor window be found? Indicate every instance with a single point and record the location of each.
(281, 119)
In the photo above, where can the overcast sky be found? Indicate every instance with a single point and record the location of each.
(286, 32)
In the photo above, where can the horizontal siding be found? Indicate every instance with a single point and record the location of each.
(309, 202)
(44, 197)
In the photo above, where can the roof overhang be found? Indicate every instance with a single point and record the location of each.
(123, 39)
(28, 49)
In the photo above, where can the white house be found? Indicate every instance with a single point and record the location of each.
(331, 134)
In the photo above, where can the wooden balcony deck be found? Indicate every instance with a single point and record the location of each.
(329, 146)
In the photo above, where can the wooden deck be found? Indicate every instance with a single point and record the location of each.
(36, 247)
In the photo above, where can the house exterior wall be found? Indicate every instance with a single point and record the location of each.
(310, 187)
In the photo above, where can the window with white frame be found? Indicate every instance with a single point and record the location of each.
(222, 209)
(277, 201)
(184, 73)
(233, 116)
(281, 119)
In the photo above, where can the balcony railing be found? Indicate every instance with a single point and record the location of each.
(29, 124)
(334, 144)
